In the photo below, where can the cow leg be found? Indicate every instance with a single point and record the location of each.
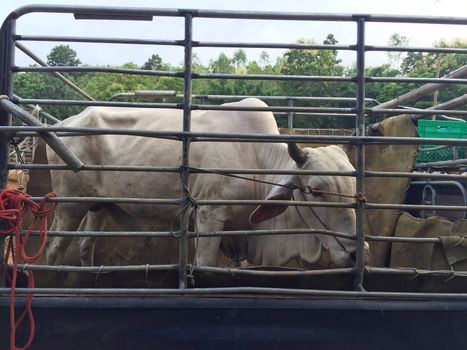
(67, 218)
(207, 248)
(94, 221)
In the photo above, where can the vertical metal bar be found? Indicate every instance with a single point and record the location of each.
(7, 57)
(184, 172)
(360, 151)
(290, 115)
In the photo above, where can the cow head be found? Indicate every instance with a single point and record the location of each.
(331, 158)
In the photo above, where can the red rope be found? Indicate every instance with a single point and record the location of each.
(14, 205)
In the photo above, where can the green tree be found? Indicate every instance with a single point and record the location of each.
(63, 55)
(239, 58)
(312, 62)
(153, 63)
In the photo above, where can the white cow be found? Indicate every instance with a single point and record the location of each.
(132, 150)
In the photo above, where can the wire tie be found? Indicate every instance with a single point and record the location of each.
(25, 266)
(452, 275)
(96, 280)
(36, 111)
(60, 268)
(417, 274)
(359, 197)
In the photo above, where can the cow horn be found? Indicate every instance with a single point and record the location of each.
(297, 154)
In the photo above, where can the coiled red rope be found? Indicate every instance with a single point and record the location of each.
(14, 206)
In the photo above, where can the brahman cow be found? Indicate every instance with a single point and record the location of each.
(307, 249)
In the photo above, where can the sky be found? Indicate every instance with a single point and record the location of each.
(166, 28)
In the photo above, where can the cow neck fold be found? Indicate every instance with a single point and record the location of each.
(273, 156)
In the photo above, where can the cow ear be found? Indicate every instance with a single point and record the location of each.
(267, 211)
(297, 154)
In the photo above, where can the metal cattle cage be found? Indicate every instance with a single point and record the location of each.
(232, 316)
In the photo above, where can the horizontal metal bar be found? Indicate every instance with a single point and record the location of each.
(134, 200)
(104, 40)
(278, 273)
(446, 50)
(111, 200)
(108, 10)
(98, 40)
(160, 234)
(441, 164)
(74, 69)
(250, 202)
(392, 239)
(282, 292)
(415, 80)
(415, 272)
(430, 112)
(272, 77)
(415, 207)
(282, 98)
(96, 269)
(272, 45)
(417, 175)
(143, 168)
(148, 268)
(219, 171)
(273, 109)
(97, 103)
(112, 17)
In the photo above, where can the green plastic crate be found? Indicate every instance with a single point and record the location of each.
(441, 129)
